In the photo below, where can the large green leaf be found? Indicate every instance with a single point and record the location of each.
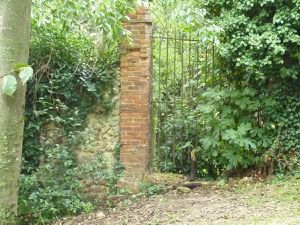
(25, 74)
(9, 85)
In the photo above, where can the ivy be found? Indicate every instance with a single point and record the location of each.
(75, 57)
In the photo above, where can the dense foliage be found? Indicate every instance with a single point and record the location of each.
(246, 111)
(75, 57)
(260, 50)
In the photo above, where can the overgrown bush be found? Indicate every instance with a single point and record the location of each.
(260, 49)
(246, 113)
(74, 53)
(54, 189)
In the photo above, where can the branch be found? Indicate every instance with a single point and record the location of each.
(8, 73)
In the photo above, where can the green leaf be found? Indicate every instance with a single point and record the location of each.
(187, 144)
(25, 74)
(20, 65)
(9, 85)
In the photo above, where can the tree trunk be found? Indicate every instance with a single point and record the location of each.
(14, 49)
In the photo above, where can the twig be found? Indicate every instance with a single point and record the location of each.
(8, 73)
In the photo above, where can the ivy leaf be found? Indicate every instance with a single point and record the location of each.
(9, 85)
(25, 74)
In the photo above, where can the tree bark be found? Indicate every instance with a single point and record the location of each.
(14, 49)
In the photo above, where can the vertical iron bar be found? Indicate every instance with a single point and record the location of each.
(189, 64)
(189, 91)
(166, 82)
(213, 64)
(188, 107)
(153, 109)
(159, 104)
(174, 101)
(197, 92)
(205, 83)
(182, 96)
(206, 68)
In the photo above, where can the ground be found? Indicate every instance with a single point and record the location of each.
(242, 202)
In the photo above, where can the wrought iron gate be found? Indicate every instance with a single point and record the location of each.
(183, 66)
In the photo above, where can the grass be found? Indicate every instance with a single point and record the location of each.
(287, 191)
(277, 189)
(282, 190)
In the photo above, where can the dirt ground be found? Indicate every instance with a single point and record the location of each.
(237, 204)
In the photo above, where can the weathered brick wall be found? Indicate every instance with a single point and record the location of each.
(135, 104)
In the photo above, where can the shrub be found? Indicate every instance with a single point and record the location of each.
(74, 53)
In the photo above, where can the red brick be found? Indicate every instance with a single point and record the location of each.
(135, 95)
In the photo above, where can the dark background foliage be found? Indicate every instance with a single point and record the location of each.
(250, 112)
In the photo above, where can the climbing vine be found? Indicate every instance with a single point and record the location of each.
(74, 53)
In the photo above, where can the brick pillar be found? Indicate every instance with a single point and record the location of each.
(135, 102)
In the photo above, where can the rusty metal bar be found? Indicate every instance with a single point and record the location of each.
(182, 95)
(174, 103)
(173, 38)
(184, 70)
(167, 76)
(159, 103)
(197, 92)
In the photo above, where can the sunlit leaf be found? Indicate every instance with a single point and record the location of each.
(9, 85)
(25, 74)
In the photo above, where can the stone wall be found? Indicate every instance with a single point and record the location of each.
(102, 132)
(100, 136)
